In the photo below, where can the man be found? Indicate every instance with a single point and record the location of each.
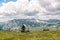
(23, 28)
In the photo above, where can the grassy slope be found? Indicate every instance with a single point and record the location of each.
(42, 35)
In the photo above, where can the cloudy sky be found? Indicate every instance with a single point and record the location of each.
(29, 9)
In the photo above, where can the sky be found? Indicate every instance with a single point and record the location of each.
(29, 9)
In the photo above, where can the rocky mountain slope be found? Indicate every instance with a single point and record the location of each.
(17, 23)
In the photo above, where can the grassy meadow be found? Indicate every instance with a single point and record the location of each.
(38, 35)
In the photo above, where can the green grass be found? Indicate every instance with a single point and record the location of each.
(38, 35)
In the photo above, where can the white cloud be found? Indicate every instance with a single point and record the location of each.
(26, 9)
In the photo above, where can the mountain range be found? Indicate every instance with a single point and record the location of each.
(17, 23)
